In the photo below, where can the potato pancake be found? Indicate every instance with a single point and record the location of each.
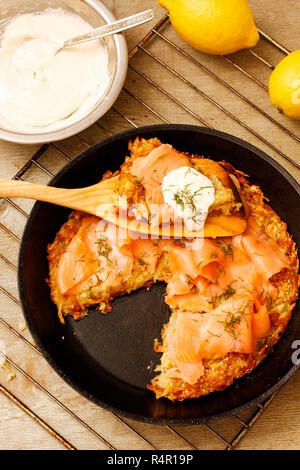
(231, 298)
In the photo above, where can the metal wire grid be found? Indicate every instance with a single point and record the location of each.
(157, 35)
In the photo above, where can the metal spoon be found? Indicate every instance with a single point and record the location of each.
(112, 28)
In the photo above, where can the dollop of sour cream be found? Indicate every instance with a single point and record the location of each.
(43, 88)
(190, 194)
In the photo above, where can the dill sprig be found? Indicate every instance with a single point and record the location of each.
(226, 247)
(213, 334)
(233, 320)
(104, 249)
(179, 242)
(186, 196)
(188, 279)
(218, 299)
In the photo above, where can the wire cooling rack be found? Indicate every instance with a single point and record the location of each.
(152, 78)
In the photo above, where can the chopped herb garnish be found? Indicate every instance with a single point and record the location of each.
(84, 259)
(263, 342)
(186, 196)
(141, 261)
(213, 334)
(227, 248)
(180, 242)
(218, 299)
(220, 269)
(103, 249)
(234, 319)
(229, 291)
(188, 279)
(261, 347)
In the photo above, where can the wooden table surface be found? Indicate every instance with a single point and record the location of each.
(278, 426)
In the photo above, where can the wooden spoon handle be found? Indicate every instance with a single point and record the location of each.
(88, 199)
(12, 188)
(71, 198)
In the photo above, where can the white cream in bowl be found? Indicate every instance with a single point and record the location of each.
(42, 90)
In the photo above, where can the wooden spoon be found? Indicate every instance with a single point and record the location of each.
(101, 200)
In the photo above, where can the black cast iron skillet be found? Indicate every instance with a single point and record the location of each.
(107, 360)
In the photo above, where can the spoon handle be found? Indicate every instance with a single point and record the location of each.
(12, 188)
(93, 199)
(112, 28)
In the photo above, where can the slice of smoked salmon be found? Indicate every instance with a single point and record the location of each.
(266, 292)
(265, 255)
(114, 254)
(262, 250)
(146, 252)
(196, 336)
(178, 285)
(202, 284)
(225, 329)
(261, 325)
(187, 371)
(209, 257)
(189, 302)
(82, 286)
(98, 248)
(79, 261)
(182, 267)
(181, 260)
(237, 275)
(152, 169)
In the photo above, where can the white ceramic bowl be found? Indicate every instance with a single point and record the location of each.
(96, 14)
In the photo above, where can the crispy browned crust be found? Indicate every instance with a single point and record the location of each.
(128, 184)
(220, 371)
(210, 168)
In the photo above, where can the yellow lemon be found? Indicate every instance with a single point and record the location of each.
(213, 26)
(284, 85)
